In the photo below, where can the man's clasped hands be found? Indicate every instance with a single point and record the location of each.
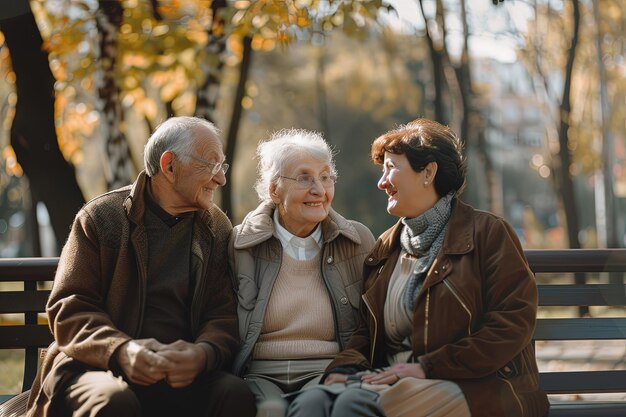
(146, 361)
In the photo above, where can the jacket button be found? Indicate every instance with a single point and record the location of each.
(507, 369)
(370, 259)
(343, 300)
(436, 272)
(443, 267)
(329, 260)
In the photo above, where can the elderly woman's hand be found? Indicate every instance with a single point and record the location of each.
(395, 373)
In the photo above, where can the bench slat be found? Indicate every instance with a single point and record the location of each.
(576, 260)
(588, 382)
(582, 295)
(581, 329)
(27, 269)
(587, 409)
(22, 302)
(29, 335)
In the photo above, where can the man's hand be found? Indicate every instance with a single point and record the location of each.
(141, 364)
(395, 373)
(189, 360)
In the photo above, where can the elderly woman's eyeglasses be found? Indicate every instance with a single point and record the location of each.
(306, 181)
(214, 167)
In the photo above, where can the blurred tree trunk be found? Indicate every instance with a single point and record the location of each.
(208, 93)
(33, 134)
(463, 74)
(119, 168)
(563, 159)
(235, 119)
(437, 60)
(320, 86)
(454, 99)
(472, 126)
(608, 157)
(611, 239)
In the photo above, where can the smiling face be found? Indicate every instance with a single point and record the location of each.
(300, 210)
(193, 185)
(410, 193)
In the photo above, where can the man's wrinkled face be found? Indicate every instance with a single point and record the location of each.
(194, 182)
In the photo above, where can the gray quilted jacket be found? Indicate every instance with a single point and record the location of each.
(255, 254)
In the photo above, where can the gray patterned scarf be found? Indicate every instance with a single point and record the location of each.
(422, 237)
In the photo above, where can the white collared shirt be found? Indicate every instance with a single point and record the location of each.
(300, 248)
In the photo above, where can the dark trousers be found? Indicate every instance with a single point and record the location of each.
(101, 394)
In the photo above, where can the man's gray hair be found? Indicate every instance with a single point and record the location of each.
(282, 148)
(177, 135)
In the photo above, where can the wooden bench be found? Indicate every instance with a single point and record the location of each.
(31, 336)
(28, 302)
(585, 328)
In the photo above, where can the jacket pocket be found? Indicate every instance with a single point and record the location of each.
(354, 294)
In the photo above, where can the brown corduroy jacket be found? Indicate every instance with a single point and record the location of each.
(473, 320)
(99, 291)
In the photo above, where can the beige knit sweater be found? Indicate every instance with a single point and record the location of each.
(298, 321)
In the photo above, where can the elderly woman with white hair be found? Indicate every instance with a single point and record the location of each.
(298, 269)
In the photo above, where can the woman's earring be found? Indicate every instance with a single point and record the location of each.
(425, 183)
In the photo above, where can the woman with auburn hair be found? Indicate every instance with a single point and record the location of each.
(449, 301)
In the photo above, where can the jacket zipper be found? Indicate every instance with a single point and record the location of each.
(467, 310)
(332, 298)
(198, 289)
(142, 267)
(519, 403)
(375, 328)
(426, 321)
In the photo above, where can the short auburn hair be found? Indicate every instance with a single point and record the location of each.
(424, 141)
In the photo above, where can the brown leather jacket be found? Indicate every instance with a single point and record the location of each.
(474, 317)
(99, 290)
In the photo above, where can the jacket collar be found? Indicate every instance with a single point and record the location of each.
(135, 204)
(458, 240)
(460, 235)
(258, 226)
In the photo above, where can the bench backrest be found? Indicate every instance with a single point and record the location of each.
(31, 335)
(584, 328)
(28, 302)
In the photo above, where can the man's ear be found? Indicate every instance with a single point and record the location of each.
(167, 164)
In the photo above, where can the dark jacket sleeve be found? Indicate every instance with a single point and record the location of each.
(76, 308)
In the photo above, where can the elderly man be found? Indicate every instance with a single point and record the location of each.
(142, 308)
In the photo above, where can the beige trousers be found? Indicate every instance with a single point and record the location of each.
(413, 397)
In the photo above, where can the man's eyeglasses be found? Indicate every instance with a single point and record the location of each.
(214, 167)
(306, 181)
